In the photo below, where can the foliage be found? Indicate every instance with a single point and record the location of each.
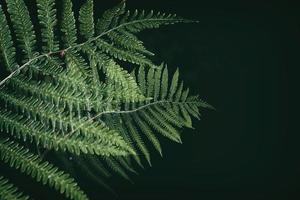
(69, 93)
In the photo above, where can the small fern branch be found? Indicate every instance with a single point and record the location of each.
(71, 38)
(20, 158)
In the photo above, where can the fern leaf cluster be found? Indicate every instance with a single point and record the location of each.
(69, 93)
(19, 158)
(8, 191)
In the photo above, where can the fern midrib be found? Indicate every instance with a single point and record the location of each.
(145, 106)
(129, 111)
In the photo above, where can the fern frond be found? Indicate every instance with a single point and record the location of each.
(186, 118)
(124, 82)
(132, 130)
(9, 192)
(48, 67)
(134, 22)
(148, 132)
(169, 109)
(63, 97)
(119, 25)
(119, 85)
(76, 64)
(27, 130)
(174, 84)
(179, 92)
(150, 83)
(68, 26)
(7, 50)
(20, 158)
(86, 19)
(73, 80)
(164, 84)
(128, 41)
(110, 17)
(121, 54)
(47, 19)
(139, 20)
(115, 122)
(97, 139)
(185, 94)
(160, 126)
(157, 78)
(116, 167)
(125, 162)
(83, 164)
(23, 26)
(69, 88)
(141, 79)
(95, 163)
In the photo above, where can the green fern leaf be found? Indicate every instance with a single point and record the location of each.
(174, 84)
(86, 20)
(128, 41)
(116, 167)
(47, 20)
(158, 126)
(9, 192)
(119, 77)
(138, 21)
(157, 83)
(20, 158)
(114, 122)
(164, 83)
(141, 79)
(23, 26)
(136, 137)
(93, 175)
(150, 82)
(148, 132)
(7, 50)
(133, 57)
(110, 17)
(185, 95)
(68, 26)
(160, 115)
(50, 140)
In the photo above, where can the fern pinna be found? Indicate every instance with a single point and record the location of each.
(65, 91)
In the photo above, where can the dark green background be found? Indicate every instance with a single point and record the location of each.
(241, 58)
(238, 58)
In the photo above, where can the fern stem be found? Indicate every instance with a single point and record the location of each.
(125, 112)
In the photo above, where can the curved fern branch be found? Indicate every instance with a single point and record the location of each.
(138, 23)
